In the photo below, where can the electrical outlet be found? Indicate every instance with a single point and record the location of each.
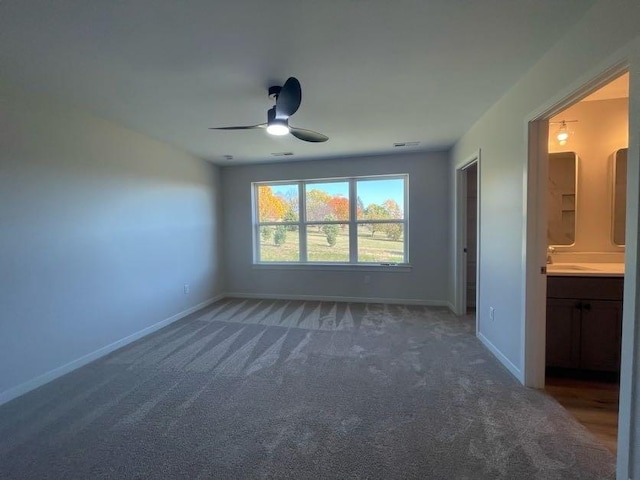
(367, 279)
(186, 289)
(492, 313)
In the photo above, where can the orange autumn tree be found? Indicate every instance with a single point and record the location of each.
(340, 207)
(270, 207)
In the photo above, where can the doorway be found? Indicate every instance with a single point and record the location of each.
(467, 235)
(581, 157)
(471, 249)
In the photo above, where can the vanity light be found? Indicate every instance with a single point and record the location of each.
(562, 136)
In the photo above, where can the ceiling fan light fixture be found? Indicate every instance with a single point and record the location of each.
(288, 98)
(278, 127)
(275, 125)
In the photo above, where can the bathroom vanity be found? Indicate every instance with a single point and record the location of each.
(584, 300)
(584, 317)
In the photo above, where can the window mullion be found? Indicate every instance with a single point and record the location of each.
(256, 242)
(353, 226)
(302, 221)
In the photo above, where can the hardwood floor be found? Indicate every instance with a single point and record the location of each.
(593, 403)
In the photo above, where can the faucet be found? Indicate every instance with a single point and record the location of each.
(550, 252)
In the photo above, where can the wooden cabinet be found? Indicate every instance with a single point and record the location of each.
(601, 335)
(563, 333)
(584, 323)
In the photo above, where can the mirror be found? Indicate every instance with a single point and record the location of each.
(619, 195)
(561, 206)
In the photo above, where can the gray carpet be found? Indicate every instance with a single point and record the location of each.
(300, 390)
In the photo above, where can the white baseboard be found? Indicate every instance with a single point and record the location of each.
(40, 380)
(324, 298)
(515, 371)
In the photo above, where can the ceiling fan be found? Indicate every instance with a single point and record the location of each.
(288, 98)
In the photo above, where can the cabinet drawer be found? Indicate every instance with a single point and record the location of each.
(596, 288)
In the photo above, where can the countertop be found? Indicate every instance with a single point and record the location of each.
(585, 269)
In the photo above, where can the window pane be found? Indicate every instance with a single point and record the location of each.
(279, 243)
(277, 203)
(328, 243)
(381, 242)
(327, 201)
(380, 199)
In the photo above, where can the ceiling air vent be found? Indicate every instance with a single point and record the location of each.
(282, 154)
(406, 144)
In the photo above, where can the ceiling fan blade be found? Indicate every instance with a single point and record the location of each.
(245, 127)
(307, 135)
(289, 98)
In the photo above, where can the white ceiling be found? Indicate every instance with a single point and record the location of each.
(373, 72)
(617, 88)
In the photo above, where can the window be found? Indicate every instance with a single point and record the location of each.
(317, 221)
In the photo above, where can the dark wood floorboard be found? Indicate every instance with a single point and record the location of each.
(592, 403)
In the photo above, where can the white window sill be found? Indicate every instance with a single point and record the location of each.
(374, 267)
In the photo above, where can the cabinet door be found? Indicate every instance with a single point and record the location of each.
(563, 333)
(601, 333)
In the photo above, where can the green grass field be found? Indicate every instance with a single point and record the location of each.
(374, 249)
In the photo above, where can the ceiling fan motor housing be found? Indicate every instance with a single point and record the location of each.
(274, 92)
(272, 118)
(277, 125)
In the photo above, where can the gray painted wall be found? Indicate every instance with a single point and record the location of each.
(607, 35)
(100, 229)
(429, 241)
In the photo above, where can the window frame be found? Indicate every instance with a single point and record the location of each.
(353, 222)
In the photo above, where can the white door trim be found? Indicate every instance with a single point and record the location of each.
(535, 282)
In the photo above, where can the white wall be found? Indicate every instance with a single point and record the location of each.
(100, 229)
(608, 34)
(425, 282)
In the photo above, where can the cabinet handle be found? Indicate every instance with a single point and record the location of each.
(578, 305)
(587, 307)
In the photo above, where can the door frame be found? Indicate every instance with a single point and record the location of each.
(461, 234)
(535, 235)
(534, 254)
(535, 225)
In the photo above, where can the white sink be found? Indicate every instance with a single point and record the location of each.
(586, 269)
(571, 267)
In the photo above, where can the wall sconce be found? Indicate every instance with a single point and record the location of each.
(562, 135)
